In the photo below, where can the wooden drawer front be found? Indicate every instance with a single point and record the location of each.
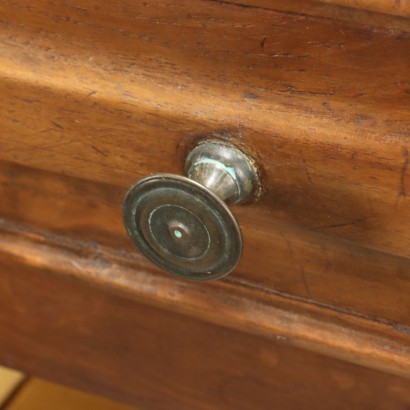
(96, 96)
(109, 96)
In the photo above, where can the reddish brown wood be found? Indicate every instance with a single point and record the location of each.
(95, 96)
(312, 98)
(277, 257)
(384, 13)
(397, 7)
(77, 316)
(362, 7)
(227, 303)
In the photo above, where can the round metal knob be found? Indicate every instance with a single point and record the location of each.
(183, 224)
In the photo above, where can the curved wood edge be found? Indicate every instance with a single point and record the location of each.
(112, 123)
(228, 303)
(394, 8)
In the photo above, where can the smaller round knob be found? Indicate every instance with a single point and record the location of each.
(183, 224)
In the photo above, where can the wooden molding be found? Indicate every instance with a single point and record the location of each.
(96, 96)
(394, 8)
(358, 340)
(398, 7)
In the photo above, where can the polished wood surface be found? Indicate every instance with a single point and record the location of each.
(96, 96)
(397, 7)
(312, 98)
(94, 326)
(278, 258)
(374, 13)
(393, 7)
(227, 303)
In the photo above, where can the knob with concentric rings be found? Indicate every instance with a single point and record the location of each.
(183, 224)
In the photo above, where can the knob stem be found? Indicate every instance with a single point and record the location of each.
(225, 170)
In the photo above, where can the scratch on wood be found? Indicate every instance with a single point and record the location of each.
(77, 265)
(305, 284)
(57, 125)
(250, 96)
(99, 151)
(306, 168)
(403, 173)
(293, 90)
(244, 6)
(302, 271)
(31, 101)
(354, 222)
(288, 243)
(403, 329)
(301, 16)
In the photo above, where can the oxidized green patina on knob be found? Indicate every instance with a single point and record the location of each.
(183, 225)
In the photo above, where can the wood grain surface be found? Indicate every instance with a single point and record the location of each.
(398, 7)
(312, 267)
(97, 95)
(377, 345)
(313, 99)
(390, 7)
(111, 94)
(322, 104)
(98, 323)
(376, 13)
(317, 269)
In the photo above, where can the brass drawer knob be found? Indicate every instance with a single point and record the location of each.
(183, 224)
